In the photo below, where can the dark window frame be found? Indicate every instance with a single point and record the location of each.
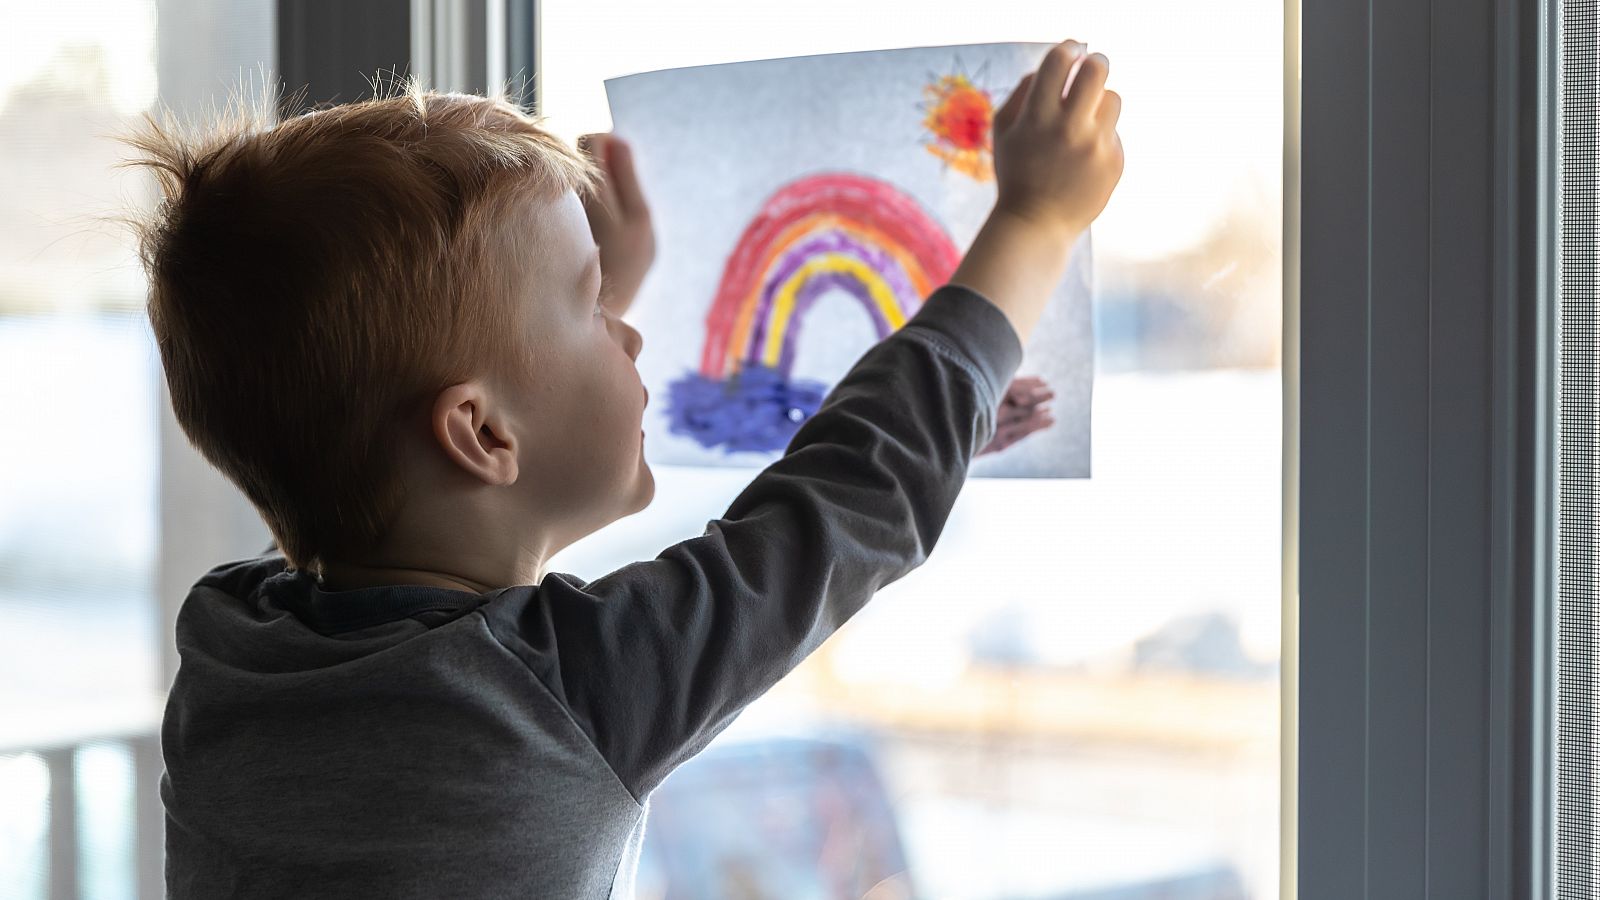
(1425, 316)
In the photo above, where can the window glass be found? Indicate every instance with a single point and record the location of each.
(78, 393)
(1078, 692)
(81, 633)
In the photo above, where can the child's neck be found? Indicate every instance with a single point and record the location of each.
(348, 576)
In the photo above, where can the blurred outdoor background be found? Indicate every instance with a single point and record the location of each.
(1077, 696)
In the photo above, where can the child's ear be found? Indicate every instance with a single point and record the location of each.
(472, 436)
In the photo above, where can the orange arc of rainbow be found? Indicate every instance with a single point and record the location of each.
(817, 221)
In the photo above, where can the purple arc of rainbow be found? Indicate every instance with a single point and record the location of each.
(825, 231)
(821, 243)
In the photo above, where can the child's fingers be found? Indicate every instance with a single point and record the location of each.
(1038, 415)
(1110, 109)
(594, 146)
(1088, 88)
(626, 178)
(1044, 101)
(1022, 387)
(602, 148)
(1011, 432)
(1013, 105)
(1010, 415)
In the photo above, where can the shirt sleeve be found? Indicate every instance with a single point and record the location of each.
(654, 660)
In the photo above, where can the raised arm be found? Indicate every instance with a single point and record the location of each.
(655, 659)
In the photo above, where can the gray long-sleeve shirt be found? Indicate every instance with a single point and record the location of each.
(418, 742)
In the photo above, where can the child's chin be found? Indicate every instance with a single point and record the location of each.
(647, 485)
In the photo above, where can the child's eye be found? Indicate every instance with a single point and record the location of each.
(600, 298)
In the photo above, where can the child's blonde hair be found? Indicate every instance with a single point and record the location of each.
(316, 281)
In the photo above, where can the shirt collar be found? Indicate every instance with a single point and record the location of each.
(335, 611)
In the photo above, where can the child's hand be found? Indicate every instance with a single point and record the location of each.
(1021, 413)
(620, 220)
(1057, 160)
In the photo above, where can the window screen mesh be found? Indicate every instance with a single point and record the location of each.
(1579, 99)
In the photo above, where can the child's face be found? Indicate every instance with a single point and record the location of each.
(582, 453)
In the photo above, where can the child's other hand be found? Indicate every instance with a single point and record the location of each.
(1021, 413)
(1057, 159)
(620, 220)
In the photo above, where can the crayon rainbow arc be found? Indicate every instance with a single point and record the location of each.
(823, 232)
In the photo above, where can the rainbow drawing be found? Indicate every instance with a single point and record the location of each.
(823, 232)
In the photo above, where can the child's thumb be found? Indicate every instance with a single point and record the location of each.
(1008, 110)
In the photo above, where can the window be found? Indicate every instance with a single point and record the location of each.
(78, 389)
(1078, 692)
(81, 625)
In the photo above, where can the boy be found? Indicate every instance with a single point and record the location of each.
(385, 323)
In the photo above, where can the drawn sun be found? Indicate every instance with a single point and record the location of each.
(959, 115)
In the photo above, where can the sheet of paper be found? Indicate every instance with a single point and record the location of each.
(804, 208)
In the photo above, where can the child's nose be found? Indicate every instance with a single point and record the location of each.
(632, 340)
